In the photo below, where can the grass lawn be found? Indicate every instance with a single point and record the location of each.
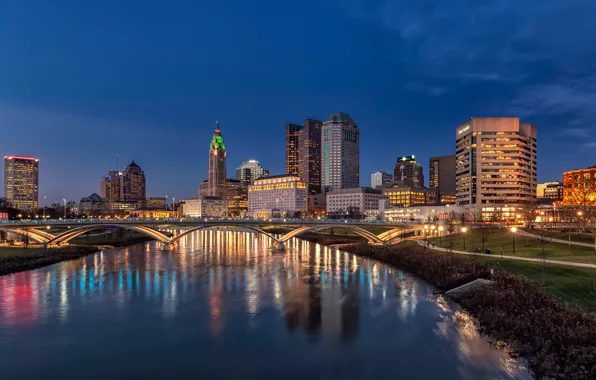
(581, 238)
(501, 239)
(18, 251)
(572, 285)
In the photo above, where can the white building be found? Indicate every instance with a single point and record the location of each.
(380, 178)
(277, 196)
(340, 153)
(360, 200)
(203, 207)
(250, 170)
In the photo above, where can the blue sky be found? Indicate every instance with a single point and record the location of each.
(82, 81)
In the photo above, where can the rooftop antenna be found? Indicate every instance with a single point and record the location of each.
(217, 126)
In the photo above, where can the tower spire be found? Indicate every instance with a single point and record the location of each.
(217, 126)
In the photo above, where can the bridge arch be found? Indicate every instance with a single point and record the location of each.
(255, 229)
(372, 238)
(65, 237)
(31, 233)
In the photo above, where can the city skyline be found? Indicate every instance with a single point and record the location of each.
(156, 102)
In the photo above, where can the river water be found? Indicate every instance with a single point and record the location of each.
(224, 305)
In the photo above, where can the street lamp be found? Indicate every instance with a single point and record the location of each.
(440, 235)
(513, 231)
(463, 232)
(425, 234)
(44, 208)
(64, 207)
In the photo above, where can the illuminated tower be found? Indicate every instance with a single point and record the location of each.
(21, 181)
(217, 165)
(340, 153)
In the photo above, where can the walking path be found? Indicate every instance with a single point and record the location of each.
(557, 262)
(552, 240)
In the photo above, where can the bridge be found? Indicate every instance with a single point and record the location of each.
(36, 230)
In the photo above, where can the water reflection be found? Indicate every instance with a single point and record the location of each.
(225, 292)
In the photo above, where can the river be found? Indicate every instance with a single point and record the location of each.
(225, 305)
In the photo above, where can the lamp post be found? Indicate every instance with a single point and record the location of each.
(513, 231)
(44, 209)
(64, 207)
(425, 235)
(463, 233)
(440, 235)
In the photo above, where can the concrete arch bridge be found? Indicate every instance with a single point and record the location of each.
(63, 238)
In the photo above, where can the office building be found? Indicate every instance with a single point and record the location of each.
(203, 189)
(496, 162)
(402, 194)
(340, 153)
(409, 171)
(579, 187)
(277, 196)
(553, 192)
(154, 214)
(442, 178)
(205, 207)
(21, 182)
(250, 170)
(378, 179)
(93, 205)
(124, 207)
(353, 202)
(237, 198)
(216, 180)
(292, 147)
(309, 155)
(133, 184)
(156, 203)
(316, 205)
(110, 186)
(541, 188)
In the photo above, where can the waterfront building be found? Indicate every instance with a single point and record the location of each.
(156, 203)
(316, 205)
(216, 180)
(579, 187)
(277, 196)
(125, 207)
(133, 183)
(154, 214)
(380, 178)
(250, 170)
(496, 162)
(428, 214)
(408, 170)
(353, 202)
(110, 186)
(442, 178)
(340, 153)
(237, 198)
(292, 148)
(205, 207)
(403, 194)
(93, 205)
(309, 155)
(21, 182)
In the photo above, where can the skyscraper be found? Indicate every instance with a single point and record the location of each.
(340, 153)
(408, 171)
(21, 181)
(217, 166)
(496, 162)
(380, 178)
(309, 155)
(442, 176)
(250, 170)
(292, 147)
(133, 185)
(110, 186)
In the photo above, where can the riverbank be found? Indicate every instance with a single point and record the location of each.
(559, 341)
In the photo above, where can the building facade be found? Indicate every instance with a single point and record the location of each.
(205, 207)
(250, 170)
(579, 187)
(496, 162)
(277, 196)
(378, 179)
(292, 147)
(554, 191)
(309, 155)
(156, 203)
(110, 186)
(21, 182)
(442, 177)
(133, 183)
(237, 198)
(316, 205)
(93, 205)
(541, 188)
(216, 180)
(353, 202)
(402, 195)
(409, 171)
(340, 153)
